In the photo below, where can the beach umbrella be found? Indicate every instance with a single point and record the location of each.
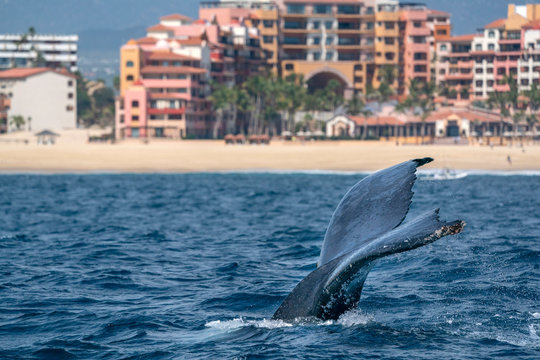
(286, 133)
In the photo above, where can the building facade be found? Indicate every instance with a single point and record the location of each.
(166, 77)
(475, 65)
(53, 51)
(45, 98)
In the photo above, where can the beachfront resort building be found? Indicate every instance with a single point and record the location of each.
(165, 77)
(475, 65)
(28, 50)
(45, 99)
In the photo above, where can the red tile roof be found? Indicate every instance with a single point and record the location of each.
(373, 120)
(462, 38)
(499, 23)
(21, 73)
(147, 40)
(433, 12)
(172, 70)
(175, 17)
(159, 27)
(167, 55)
(535, 24)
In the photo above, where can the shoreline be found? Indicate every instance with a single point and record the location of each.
(213, 156)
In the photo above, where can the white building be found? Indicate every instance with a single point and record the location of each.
(46, 98)
(57, 51)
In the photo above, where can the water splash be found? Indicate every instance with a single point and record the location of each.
(349, 319)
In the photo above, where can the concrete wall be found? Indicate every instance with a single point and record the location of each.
(44, 98)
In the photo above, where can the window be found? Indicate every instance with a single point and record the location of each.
(70, 83)
(316, 25)
(358, 67)
(316, 56)
(525, 82)
(369, 10)
(289, 67)
(389, 56)
(442, 71)
(491, 34)
(443, 47)
(389, 25)
(490, 83)
(417, 24)
(316, 40)
(348, 9)
(479, 83)
(268, 39)
(491, 46)
(478, 47)
(329, 55)
(329, 24)
(70, 95)
(129, 63)
(135, 118)
(268, 23)
(358, 79)
(129, 78)
(389, 41)
(135, 104)
(295, 9)
(329, 40)
(442, 32)
(322, 9)
(420, 56)
(69, 108)
(479, 71)
(501, 71)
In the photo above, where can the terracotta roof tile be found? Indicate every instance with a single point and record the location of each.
(159, 27)
(172, 70)
(464, 38)
(167, 55)
(175, 17)
(499, 23)
(21, 73)
(433, 12)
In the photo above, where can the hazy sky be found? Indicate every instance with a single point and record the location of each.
(72, 16)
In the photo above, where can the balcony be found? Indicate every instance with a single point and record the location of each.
(167, 111)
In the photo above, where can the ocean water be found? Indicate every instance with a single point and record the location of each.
(193, 266)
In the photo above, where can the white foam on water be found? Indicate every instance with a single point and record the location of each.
(536, 315)
(354, 318)
(348, 319)
(237, 323)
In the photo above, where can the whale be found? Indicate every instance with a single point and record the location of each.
(366, 226)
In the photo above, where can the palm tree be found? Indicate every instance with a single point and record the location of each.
(532, 120)
(421, 101)
(517, 118)
(220, 98)
(17, 121)
(357, 106)
(499, 100)
(295, 91)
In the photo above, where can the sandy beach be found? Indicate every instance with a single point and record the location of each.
(71, 153)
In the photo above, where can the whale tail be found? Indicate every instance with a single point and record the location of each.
(336, 285)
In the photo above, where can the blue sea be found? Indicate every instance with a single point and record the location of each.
(192, 266)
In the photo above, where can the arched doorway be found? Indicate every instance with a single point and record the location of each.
(319, 79)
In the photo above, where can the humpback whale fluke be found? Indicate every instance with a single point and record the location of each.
(364, 227)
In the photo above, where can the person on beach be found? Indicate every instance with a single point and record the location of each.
(509, 160)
